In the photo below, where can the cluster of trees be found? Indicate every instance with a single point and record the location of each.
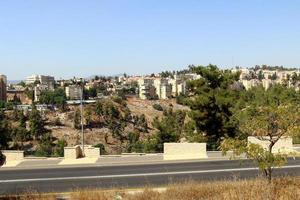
(56, 97)
(224, 116)
(114, 115)
(28, 128)
(169, 128)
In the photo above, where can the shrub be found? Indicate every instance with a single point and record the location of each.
(158, 107)
(102, 148)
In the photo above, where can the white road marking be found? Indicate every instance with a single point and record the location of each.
(137, 175)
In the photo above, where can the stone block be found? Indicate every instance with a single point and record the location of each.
(91, 152)
(184, 151)
(72, 152)
(12, 155)
(283, 145)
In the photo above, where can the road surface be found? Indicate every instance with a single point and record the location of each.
(16, 181)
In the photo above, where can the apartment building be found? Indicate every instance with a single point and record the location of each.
(160, 88)
(146, 88)
(178, 86)
(163, 89)
(266, 77)
(73, 92)
(41, 79)
(3, 84)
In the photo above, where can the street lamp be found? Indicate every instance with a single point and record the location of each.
(81, 113)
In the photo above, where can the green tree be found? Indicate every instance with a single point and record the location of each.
(77, 119)
(36, 124)
(45, 146)
(56, 97)
(133, 142)
(142, 123)
(169, 128)
(59, 148)
(88, 116)
(111, 117)
(267, 123)
(157, 107)
(5, 131)
(212, 103)
(19, 136)
(260, 75)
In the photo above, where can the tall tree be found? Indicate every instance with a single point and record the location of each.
(169, 128)
(36, 124)
(5, 131)
(212, 103)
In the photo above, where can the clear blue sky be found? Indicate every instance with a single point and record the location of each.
(68, 38)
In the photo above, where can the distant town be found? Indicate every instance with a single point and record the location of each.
(165, 85)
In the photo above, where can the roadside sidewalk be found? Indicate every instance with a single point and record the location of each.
(105, 160)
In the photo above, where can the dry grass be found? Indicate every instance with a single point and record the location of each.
(287, 188)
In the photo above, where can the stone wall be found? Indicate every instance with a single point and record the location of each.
(284, 144)
(184, 151)
(13, 156)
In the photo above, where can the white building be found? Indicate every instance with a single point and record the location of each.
(146, 88)
(178, 86)
(250, 83)
(163, 89)
(73, 92)
(41, 79)
(160, 88)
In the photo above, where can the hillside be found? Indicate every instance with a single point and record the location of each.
(102, 135)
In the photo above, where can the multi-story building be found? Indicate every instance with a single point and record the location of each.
(3, 83)
(162, 88)
(40, 79)
(146, 88)
(267, 77)
(165, 91)
(250, 83)
(38, 89)
(181, 88)
(178, 86)
(73, 92)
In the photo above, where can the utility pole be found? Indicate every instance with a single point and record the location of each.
(81, 113)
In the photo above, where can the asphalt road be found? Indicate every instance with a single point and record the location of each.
(67, 179)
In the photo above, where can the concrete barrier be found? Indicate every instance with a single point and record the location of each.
(74, 155)
(76, 152)
(283, 145)
(91, 152)
(13, 158)
(72, 152)
(184, 151)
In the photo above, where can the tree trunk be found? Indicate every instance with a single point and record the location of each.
(269, 168)
(268, 173)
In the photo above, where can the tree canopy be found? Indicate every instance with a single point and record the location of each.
(212, 103)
